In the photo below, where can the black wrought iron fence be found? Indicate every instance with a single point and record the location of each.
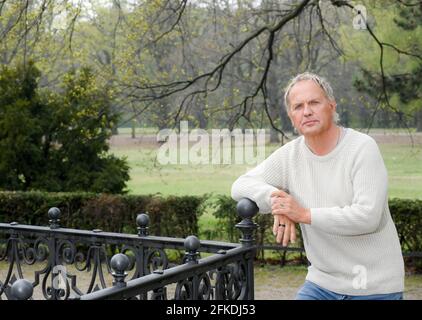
(57, 263)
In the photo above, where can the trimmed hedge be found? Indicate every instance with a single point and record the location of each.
(169, 216)
(407, 215)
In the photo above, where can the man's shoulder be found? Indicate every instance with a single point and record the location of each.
(292, 144)
(286, 151)
(360, 144)
(360, 137)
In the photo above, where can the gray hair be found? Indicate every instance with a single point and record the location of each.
(322, 82)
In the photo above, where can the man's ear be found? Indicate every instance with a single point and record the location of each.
(333, 105)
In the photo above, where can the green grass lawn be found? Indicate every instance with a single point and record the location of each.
(404, 165)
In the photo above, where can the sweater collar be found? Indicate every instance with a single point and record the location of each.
(332, 153)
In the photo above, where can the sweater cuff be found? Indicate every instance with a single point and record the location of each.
(264, 199)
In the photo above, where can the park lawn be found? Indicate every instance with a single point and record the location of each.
(404, 166)
(147, 176)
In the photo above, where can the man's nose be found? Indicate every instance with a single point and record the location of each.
(307, 110)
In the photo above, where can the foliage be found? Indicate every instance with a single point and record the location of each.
(151, 52)
(391, 69)
(407, 216)
(169, 216)
(21, 128)
(57, 142)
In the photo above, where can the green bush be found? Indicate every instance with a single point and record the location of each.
(169, 216)
(57, 141)
(407, 216)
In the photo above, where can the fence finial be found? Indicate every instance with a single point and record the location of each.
(192, 244)
(54, 215)
(247, 209)
(22, 289)
(120, 264)
(142, 220)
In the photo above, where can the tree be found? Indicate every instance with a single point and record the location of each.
(392, 68)
(218, 61)
(57, 142)
(22, 126)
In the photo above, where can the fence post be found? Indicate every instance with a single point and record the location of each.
(54, 215)
(142, 221)
(192, 245)
(247, 209)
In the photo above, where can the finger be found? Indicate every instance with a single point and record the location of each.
(280, 229)
(275, 193)
(283, 205)
(286, 235)
(279, 212)
(280, 233)
(282, 194)
(293, 233)
(277, 204)
(276, 208)
(279, 193)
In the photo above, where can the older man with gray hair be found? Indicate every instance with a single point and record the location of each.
(333, 182)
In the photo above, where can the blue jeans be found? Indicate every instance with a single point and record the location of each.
(311, 291)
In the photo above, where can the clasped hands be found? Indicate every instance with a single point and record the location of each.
(287, 212)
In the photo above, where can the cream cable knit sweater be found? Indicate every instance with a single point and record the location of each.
(352, 242)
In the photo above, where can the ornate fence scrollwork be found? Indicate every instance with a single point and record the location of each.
(65, 256)
(231, 283)
(155, 259)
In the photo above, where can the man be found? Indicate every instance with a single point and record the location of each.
(333, 182)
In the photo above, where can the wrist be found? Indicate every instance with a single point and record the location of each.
(306, 216)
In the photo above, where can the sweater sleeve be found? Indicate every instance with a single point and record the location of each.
(370, 184)
(258, 183)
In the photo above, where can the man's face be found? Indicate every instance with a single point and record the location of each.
(311, 112)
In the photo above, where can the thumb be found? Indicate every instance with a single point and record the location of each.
(279, 193)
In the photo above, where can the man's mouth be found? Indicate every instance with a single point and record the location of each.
(309, 122)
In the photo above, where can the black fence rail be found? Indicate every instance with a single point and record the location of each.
(56, 263)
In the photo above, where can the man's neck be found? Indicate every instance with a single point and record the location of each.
(323, 143)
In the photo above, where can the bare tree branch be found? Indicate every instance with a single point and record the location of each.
(180, 10)
(381, 46)
(166, 90)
